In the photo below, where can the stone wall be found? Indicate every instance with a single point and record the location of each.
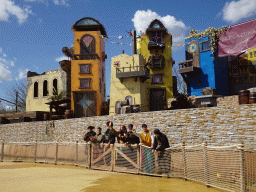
(226, 125)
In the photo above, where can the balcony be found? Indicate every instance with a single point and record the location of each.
(156, 62)
(187, 67)
(136, 71)
(155, 45)
(86, 57)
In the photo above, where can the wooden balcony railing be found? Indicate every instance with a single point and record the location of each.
(86, 57)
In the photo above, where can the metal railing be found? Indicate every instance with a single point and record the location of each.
(131, 69)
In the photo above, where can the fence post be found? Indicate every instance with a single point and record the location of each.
(206, 178)
(112, 157)
(35, 151)
(56, 154)
(76, 160)
(90, 155)
(138, 157)
(242, 168)
(156, 163)
(2, 156)
(185, 161)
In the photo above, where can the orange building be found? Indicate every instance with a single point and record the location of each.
(88, 68)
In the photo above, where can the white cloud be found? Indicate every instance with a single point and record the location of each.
(236, 10)
(8, 8)
(60, 2)
(22, 74)
(5, 73)
(61, 58)
(142, 19)
(4, 55)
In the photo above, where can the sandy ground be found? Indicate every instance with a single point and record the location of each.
(31, 177)
(28, 177)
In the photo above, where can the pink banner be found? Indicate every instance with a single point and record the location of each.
(237, 39)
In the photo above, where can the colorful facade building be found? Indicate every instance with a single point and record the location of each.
(145, 79)
(87, 71)
(128, 89)
(203, 69)
(155, 47)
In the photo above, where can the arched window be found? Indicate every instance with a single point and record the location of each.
(45, 88)
(35, 89)
(55, 87)
(130, 99)
(87, 47)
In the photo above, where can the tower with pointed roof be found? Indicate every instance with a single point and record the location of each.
(155, 47)
(88, 68)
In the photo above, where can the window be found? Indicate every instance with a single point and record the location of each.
(85, 83)
(45, 88)
(254, 53)
(157, 79)
(35, 89)
(250, 54)
(156, 37)
(85, 69)
(87, 47)
(55, 87)
(205, 46)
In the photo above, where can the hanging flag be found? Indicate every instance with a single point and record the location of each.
(237, 39)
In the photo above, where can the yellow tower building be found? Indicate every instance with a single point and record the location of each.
(155, 47)
(143, 80)
(88, 68)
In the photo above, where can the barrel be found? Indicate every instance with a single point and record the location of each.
(244, 97)
(252, 97)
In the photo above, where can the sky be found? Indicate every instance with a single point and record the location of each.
(33, 32)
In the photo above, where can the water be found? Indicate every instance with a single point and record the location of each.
(130, 182)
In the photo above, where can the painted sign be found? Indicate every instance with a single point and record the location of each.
(237, 39)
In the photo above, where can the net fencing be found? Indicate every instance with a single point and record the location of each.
(18, 151)
(229, 168)
(126, 159)
(250, 170)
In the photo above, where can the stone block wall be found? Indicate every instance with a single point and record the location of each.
(225, 125)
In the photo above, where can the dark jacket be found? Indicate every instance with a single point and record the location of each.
(133, 139)
(89, 134)
(108, 137)
(160, 142)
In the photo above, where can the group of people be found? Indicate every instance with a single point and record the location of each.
(157, 141)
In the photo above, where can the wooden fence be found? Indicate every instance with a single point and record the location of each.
(229, 168)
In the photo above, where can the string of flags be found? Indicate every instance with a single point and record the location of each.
(120, 43)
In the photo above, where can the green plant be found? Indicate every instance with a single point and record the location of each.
(211, 32)
(57, 96)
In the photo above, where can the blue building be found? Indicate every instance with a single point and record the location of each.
(204, 69)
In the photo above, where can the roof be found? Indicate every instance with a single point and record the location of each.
(89, 24)
(156, 25)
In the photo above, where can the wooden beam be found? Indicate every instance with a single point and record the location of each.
(127, 158)
(101, 156)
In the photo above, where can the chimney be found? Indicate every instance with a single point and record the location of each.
(134, 43)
